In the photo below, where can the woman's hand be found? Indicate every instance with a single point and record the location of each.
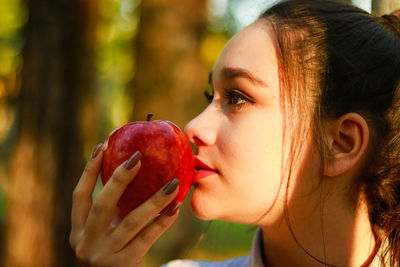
(99, 242)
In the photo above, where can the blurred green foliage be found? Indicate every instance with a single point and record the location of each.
(114, 61)
(223, 238)
(12, 19)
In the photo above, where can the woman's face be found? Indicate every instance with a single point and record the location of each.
(239, 134)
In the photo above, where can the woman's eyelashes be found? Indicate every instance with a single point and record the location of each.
(234, 98)
(209, 94)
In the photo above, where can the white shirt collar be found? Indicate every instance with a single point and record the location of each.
(256, 255)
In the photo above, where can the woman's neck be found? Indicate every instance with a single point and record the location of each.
(336, 234)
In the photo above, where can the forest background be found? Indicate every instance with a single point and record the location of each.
(71, 71)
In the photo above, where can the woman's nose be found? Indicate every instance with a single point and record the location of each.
(201, 130)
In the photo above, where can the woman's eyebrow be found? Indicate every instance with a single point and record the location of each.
(231, 72)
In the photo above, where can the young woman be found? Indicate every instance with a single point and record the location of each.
(303, 137)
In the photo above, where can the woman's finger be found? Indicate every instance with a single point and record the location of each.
(103, 208)
(150, 234)
(134, 222)
(82, 195)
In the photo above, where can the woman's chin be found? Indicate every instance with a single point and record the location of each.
(200, 206)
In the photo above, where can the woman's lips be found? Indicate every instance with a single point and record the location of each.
(202, 170)
(201, 174)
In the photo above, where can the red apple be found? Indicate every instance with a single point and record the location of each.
(166, 154)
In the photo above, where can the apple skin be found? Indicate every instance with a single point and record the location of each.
(166, 154)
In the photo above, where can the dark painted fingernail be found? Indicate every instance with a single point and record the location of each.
(171, 186)
(133, 160)
(96, 151)
(172, 210)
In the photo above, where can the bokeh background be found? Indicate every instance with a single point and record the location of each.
(73, 70)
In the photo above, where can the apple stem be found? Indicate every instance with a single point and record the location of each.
(149, 116)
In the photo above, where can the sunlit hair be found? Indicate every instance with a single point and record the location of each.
(334, 59)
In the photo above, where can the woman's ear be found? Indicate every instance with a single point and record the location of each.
(347, 138)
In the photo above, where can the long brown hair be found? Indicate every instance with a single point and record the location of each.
(347, 60)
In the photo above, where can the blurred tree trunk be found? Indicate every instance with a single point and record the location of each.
(381, 7)
(169, 82)
(53, 106)
(170, 75)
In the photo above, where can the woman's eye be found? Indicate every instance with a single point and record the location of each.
(236, 99)
(233, 97)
